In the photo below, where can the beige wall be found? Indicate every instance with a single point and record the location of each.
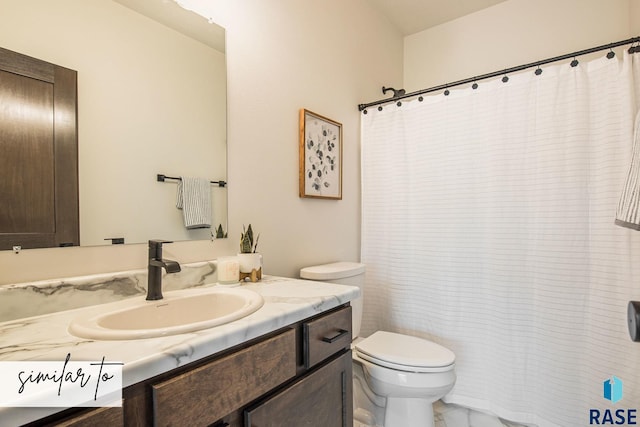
(282, 55)
(512, 33)
(634, 17)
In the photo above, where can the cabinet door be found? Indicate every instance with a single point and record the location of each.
(321, 398)
(38, 153)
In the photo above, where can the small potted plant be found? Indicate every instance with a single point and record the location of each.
(220, 233)
(250, 259)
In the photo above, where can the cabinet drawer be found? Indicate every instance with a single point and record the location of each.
(209, 392)
(326, 335)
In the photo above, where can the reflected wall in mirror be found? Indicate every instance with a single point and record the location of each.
(151, 100)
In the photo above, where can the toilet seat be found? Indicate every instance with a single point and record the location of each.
(405, 353)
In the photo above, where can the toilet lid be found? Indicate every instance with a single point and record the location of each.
(332, 271)
(404, 352)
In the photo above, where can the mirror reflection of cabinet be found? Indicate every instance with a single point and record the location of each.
(38, 153)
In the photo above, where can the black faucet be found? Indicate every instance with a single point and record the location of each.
(154, 284)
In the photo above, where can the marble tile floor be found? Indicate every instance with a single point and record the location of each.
(457, 416)
(447, 415)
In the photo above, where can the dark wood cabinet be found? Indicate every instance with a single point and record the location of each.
(38, 153)
(325, 335)
(320, 398)
(206, 394)
(299, 375)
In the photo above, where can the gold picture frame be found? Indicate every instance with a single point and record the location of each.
(320, 156)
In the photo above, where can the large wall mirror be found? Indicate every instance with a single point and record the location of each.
(151, 100)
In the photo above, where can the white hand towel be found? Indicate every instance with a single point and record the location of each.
(194, 198)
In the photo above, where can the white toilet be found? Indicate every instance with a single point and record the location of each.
(396, 377)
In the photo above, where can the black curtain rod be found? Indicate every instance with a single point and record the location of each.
(161, 178)
(400, 94)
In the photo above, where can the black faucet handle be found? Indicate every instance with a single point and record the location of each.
(155, 248)
(159, 242)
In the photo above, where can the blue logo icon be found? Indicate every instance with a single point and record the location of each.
(613, 389)
(613, 392)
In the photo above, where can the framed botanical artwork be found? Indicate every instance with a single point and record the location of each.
(320, 156)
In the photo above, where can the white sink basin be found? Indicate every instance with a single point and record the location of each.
(179, 312)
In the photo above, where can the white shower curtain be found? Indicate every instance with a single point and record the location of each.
(488, 227)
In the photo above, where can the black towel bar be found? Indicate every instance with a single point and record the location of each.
(162, 178)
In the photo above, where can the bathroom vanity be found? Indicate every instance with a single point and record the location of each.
(289, 363)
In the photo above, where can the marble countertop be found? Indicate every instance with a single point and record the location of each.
(46, 337)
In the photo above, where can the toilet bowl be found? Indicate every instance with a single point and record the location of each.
(411, 373)
(396, 377)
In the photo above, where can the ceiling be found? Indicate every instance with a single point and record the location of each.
(409, 16)
(169, 13)
(413, 16)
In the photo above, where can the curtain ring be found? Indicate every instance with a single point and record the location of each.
(611, 54)
(574, 63)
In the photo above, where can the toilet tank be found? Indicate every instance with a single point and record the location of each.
(344, 273)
